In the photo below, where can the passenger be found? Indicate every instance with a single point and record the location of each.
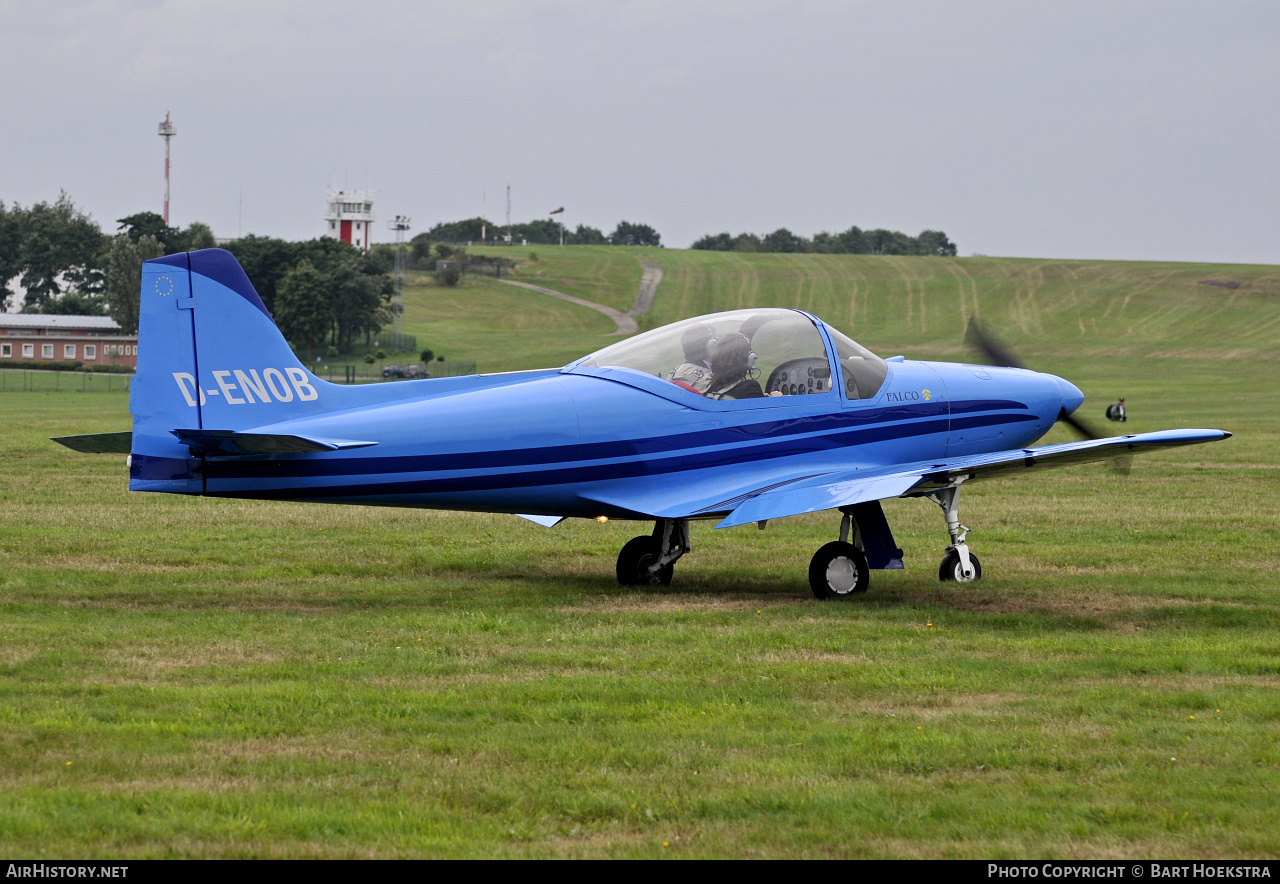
(729, 366)
(695, 372)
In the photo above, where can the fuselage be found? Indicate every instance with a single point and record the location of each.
(577, 441)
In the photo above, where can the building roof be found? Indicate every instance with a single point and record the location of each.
(51, 320)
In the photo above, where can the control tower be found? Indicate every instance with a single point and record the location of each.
(349, 217)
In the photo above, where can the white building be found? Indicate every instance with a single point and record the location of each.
(349, 217)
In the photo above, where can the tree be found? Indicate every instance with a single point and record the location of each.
(198, 235)
(358, 298)
(302, 306)
(419, 251)
(72, 304)
(61, 246)
(460, 231)
(628, 234)
(124, 277)
(149, 224)
(851, 242)
(746, 242)
(935, 242)
(427, 356)
(783, 240)
(720, 242)
(10, 250)
(585, 236)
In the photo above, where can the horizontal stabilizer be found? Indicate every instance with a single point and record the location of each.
(231, 443)
(544, 521)
(98, 443)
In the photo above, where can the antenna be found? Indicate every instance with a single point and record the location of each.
(484, 195)
(400, 223)
(166, 132)
(510, 241)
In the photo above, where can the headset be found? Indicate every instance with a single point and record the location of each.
(751, 354)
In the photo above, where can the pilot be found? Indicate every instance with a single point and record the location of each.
(699, 342)
(729, 367)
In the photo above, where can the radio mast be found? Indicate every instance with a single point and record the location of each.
(510, 241)
(166, 132)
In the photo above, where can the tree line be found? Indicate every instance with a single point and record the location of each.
(543, 231)
(320, 292)
(853, 241)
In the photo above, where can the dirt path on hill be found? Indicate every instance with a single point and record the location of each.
(625, 322)
(649, 279)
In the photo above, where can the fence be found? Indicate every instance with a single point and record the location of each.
(14, 380)
(398, 342)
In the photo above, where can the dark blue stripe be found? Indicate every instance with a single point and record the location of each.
(559, 454)
(625, 470)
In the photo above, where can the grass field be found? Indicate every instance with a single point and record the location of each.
(207, 677)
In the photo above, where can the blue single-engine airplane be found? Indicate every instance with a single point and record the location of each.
(667, 426)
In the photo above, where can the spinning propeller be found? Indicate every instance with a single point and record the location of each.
(997, 353)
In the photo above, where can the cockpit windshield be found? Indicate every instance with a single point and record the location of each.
(863, 370)
(743, 354)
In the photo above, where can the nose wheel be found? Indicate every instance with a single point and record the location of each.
(650, 561)
(958, 563)
(839, 569)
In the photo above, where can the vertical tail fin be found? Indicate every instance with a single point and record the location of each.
(209, 357)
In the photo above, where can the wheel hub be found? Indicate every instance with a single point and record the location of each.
(842, 575)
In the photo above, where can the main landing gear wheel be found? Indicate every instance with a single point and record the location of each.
(650, 561)
(634, 561)
(839, 570)
(951, 569)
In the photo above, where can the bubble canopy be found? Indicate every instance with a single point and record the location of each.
(790, 357)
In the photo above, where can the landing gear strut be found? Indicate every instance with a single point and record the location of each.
(650, 561)
(958, 564)
(839, 569)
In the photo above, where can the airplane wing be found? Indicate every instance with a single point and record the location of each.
(851, 487)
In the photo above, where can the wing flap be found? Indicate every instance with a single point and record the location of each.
(232, 443)
(98, 443)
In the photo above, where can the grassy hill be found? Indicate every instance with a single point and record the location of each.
(917, 306)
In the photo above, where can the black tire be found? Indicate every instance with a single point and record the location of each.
(634, 561)
(838, 570)
(950, 568)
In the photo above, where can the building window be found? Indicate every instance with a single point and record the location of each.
(90, 351)
(28, 351)
(68, 351)
(6, 351)
(46, 351)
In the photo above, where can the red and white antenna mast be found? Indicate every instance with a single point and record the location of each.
(166, 132)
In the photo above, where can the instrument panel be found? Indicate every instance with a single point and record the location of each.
(798, 377)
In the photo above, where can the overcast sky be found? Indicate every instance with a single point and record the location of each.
(1073, 130)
